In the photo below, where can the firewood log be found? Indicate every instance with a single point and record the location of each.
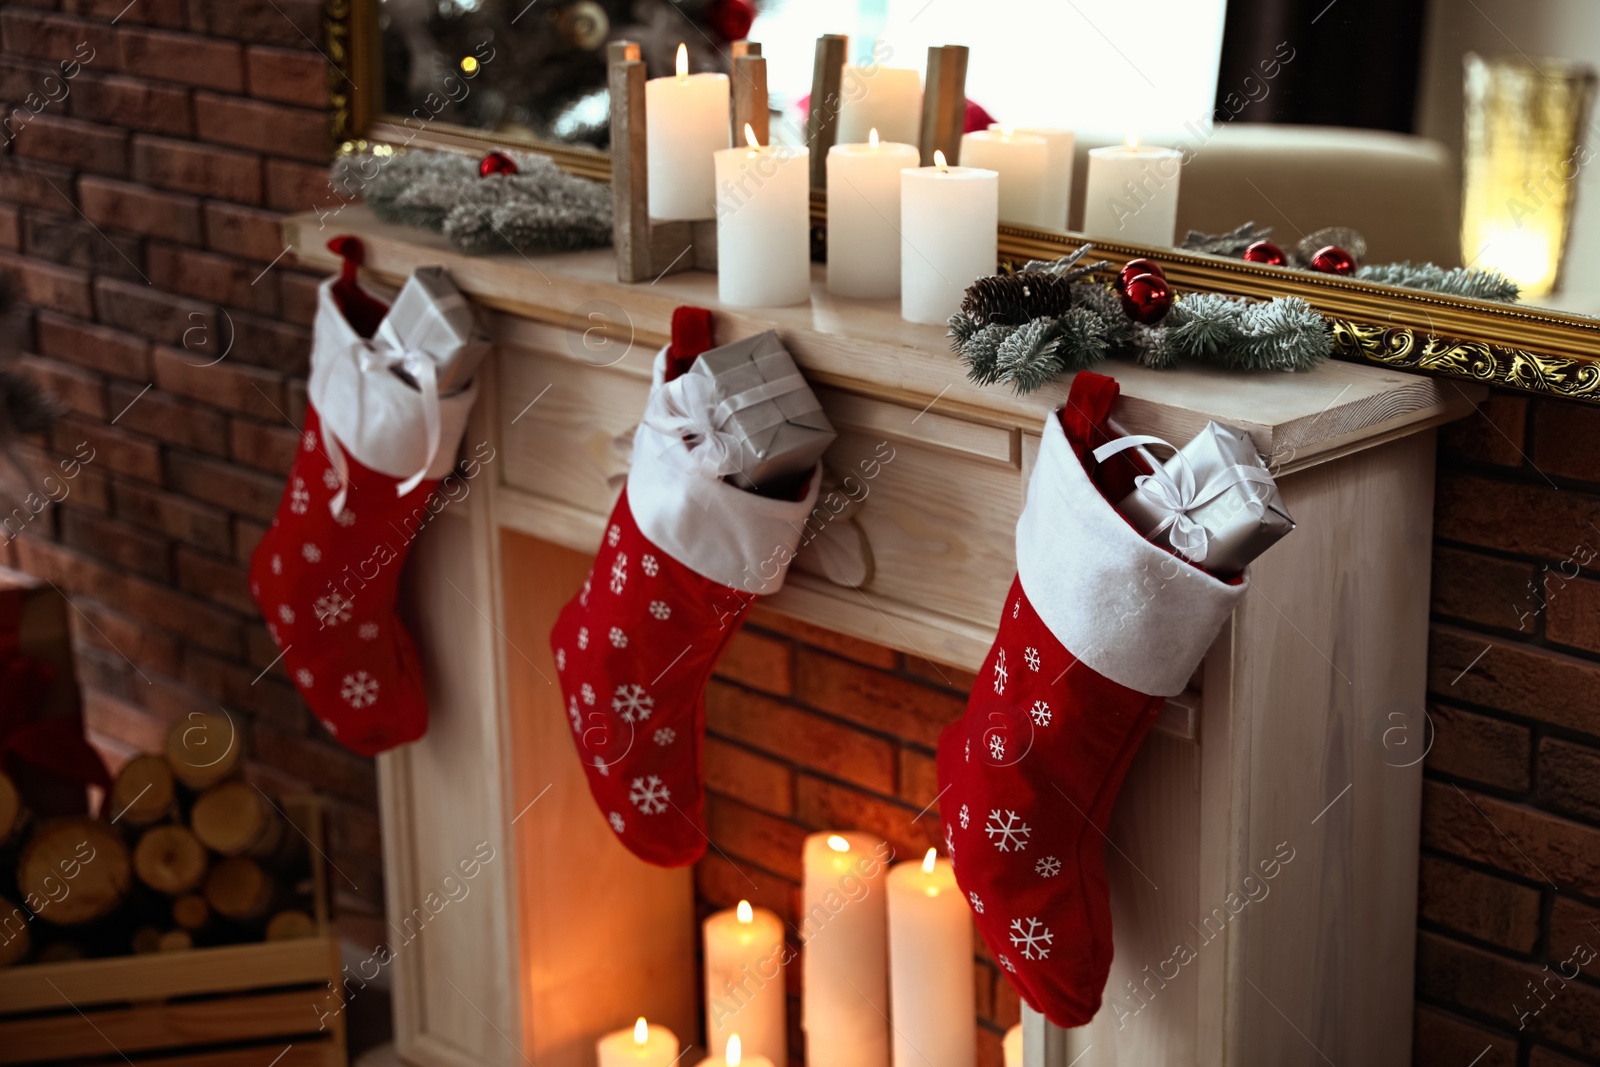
(290, 925)
(145, 940)
(15, 940)
(144, 792)
(235, 819)
(203, 749)
(13, 813)
(191, 912)
(174, 941)
(60, 952)
(74, 870)
(238, 889)
(170, 860)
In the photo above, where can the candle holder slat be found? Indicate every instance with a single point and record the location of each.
(648, 248)
(822, 123)
(944, 103)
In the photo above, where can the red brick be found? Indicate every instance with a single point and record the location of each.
(1574, 924)
(1487, 750)
(873, 699)
(116, 674)
(237, 489)
(919, 778)
(1564, 436)
(271, 701)
(800, 737)
(132, 103)
(1572, 613)
(255, 444)
(288, 75)
(299, 133)
(1443, 1040)
(21, 77)
(296, 23)
(941, 674)
(73, 573)
(328, 767)
(720, 883)
(114, 448)
(1569, 778)
(195, 168)
(119, 543)
(746, 777)
(1480, 905)
(1482, 984)
(268, 342)
(73, 242)
(1484, 590)
(185, 520)
(87, 485)
(210, 277)
(126, 206)
(169, 419)
(146, 12)
(164, 317)
(219, 580)
(49, 286)
(55, 37)
(200, 623)
(74, 143)
(1521, 679)
(822, 805)
(77, 390)
(246, 536)
(96, 347)
(1007, 1006)
(153, 650)
(1494, 434)
(748, 836)
(104, 716)
(757, 661)
(10, 227)
(1531, 520)
(820, 637)
(236, 388)
(181, 57)
(293, 187)
(1511, 837)
(39, 185)
(243, 231)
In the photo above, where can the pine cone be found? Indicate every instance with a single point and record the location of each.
(1014, 299)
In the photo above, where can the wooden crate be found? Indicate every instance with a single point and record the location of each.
(250, 1005)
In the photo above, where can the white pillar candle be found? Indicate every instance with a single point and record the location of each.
(763, 224)
(735, 1056)
(845, 989)
(745, 992)
(1057, 173)
(1011, 1047)
(864, 216)
(1022, 161)
(930, 966)
(949, 218)
(641, 1045)
(1132, 194)
(686, 119)
(887, 99)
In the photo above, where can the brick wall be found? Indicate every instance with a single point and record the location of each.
(140, 191)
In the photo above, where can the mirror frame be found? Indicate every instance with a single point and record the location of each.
(1512, 346)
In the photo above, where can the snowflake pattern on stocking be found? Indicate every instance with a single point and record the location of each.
(613, 535)
(649, 565)
(561, 659)
(618, 638)
(1047, 867)
(310, 552)
(299, 497)
(601, 768)
(345, 518)
(1040, 713)
(359, 690)
(1030, 656)
(950, 842)
(332, 609)
(583, 638)
(309, 441)
(632, 703)
(659, 609)
(665, 736)
(1000, 672)
(303, 676)
(286, 613)
(997, 747)
(277, 564)
(368, 631)
(1005, 961)
(965, 816)
(649, 795)
(587, 692)
(1007, 831)
(572, 713)
(330, 478)
(1032, 938)
(616, 822)
(619, 572)
(977, 902)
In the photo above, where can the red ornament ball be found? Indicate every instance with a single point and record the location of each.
(1147, 298)
(496, 162)
(731, 19)
(1266, 252)
(1334, 260)
(1135, 267)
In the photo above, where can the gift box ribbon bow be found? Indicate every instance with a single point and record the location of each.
(688, 408)
(1176, 498)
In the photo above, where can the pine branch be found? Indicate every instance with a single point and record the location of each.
(1029, 357)
(981, 352)
(1233, 243)
(1477, 283)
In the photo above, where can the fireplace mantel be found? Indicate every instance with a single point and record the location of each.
(569, 935)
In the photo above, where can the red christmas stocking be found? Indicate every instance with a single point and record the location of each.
(684, 555)
(325, 574)
(1099, 628)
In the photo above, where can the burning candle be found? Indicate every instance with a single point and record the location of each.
(886, 99)
(949, 238)
(686, 120)
(1022, 161)
(930, 966)
(864, 216)
(1057, 173)
(735, 1057)
(763, 224)
(642, 1046)
(845, 993)
(1011, 1047)
(744, 982)
(1132, 194)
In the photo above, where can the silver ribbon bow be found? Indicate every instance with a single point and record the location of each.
(387, 350)
(687, 408)
(1178, 497)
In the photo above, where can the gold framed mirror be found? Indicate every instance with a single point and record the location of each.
(1516, 346)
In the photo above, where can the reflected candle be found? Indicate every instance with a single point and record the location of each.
(744, 982)
(930, 966)
(864, 216)
(1132, 194)
(949, 238)
(686, 120)
(642, 1045)
(736, 1057)
(845, 993)
(1022, 161)
(763, 224)
(886, 99)
(1011, 1047)
(1057, 173)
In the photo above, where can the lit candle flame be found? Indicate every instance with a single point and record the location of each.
(940, 162)
(683, 60)
(928, 860)
(469, 65)
(1006, 131)
(745, 912)
(750, 135)
(872, 137)
(838, 844)
(735, 1054)
(1132, 140)
(641, 1031)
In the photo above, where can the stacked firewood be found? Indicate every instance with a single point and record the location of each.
(186, 852)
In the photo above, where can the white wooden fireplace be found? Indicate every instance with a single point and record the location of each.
(1302, 735)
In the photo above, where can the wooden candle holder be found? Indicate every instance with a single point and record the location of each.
(649, 248)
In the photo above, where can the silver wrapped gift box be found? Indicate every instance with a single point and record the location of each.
(763, 402)
(431, 316)
(1214, 502)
